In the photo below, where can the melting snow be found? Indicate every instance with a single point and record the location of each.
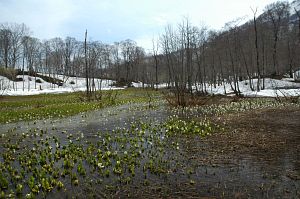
(273, 88)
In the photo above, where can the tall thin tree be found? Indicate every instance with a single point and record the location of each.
(86, 65)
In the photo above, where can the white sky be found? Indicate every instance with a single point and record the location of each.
(116, 20)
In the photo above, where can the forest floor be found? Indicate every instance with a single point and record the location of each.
(254, 152)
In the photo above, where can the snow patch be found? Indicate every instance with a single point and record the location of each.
(31, 87)
(273, 87)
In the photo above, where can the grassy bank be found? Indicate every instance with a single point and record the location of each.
(26, 108)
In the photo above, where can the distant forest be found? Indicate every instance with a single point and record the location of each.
(184, 56)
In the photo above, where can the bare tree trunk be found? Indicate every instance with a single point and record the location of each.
(86, 66)
(23, 65)
(247, 69)
(290, 58)
(222, 73)
(257, 51)
(156, 63)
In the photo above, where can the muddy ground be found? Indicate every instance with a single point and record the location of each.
(258, 155)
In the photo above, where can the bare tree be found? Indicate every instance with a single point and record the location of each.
(18, 32)
(156, 61)
(5, 38)
(276, 13)
(116, 59)
(256, 50)
(69, 45)
(86, 66)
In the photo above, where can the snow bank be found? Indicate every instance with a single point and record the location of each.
(31, 87)
(273, 88)
(140, 85)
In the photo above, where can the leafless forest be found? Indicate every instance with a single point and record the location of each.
(268, 45)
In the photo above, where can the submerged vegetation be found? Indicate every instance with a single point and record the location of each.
(37, 162)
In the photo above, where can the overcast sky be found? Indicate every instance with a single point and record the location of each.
(116, 20)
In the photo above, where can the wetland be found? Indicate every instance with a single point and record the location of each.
(245, 148)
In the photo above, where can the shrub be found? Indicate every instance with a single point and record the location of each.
(60, 83)
(38, 81)
(9, 73)
(122, 82)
